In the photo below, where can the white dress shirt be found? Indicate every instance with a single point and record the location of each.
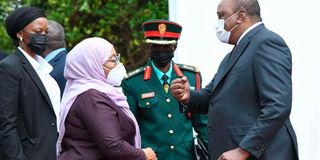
(249, 29)
(43, 69)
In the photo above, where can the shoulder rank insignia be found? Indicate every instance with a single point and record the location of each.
(176, 68)
(134, 72)
(147, 73)
(188, 67)
(197, 73)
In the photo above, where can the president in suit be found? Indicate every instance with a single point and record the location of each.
(249, 98)
(2, 54)
(29, 96)
(56, 52)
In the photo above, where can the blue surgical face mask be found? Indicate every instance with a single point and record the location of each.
(222, 34)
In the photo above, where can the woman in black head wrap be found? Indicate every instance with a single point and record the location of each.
(28, 28)
(29, 96)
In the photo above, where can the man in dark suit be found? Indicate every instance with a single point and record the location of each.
(29, 96)
(249, 99)
(2, 55)
(56, 53)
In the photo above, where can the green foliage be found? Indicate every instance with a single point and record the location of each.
(6, 7)
(118, 21)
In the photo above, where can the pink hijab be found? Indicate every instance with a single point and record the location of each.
(84, 71)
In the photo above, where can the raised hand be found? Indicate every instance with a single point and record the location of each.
(180, 89)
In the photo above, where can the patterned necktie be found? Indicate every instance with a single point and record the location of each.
(165, 83)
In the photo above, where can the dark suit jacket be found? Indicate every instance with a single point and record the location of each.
(2, 55)
(97, 129)
(58, 63)
(27, 119)
(249, 99)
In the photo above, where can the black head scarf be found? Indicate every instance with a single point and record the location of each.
(20, 18)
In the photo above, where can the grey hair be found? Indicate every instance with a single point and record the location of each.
(56, 35)
(252, 8)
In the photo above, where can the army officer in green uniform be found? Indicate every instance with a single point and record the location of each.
(163, 127)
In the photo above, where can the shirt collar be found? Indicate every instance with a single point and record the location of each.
(160, 73)
(249, 29)
(53, 54)
(37, 63)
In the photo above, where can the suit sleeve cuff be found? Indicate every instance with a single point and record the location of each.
(256, 152)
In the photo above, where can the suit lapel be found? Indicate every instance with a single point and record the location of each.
(34, 76)
(53, 61)
(238, 51)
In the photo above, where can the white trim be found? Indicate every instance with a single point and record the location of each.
(161, 42)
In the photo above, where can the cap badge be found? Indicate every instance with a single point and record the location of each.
(162, 28)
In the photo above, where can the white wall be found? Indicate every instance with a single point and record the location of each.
(296, 21)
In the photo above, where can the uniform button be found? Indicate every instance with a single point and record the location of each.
(169, 115)
(168, 100)
(147, 103)
(171, 147)
(170, 131)
(53, 124)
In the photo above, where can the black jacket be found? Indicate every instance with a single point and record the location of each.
(27, 119)
(2, 55)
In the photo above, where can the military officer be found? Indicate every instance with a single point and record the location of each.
(164, 128)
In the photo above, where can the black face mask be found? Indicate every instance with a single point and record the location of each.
(38, 43)
(161, 59)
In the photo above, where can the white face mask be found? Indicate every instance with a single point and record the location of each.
(116, 75)
(222, 34)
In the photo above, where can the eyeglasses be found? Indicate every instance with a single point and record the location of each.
(115, 59)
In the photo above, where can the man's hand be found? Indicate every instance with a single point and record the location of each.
(235, 154)
(180, 89)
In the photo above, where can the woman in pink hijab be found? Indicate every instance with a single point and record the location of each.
(96, 122)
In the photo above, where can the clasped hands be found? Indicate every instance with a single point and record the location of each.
(150, 154)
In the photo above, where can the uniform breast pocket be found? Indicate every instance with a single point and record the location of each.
(148, 103)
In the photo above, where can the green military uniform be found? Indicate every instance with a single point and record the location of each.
(163, 127)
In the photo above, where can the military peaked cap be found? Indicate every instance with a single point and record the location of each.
(161, 32)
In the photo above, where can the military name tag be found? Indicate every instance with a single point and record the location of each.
(147, 95)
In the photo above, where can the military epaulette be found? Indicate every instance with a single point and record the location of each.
(134, 72)
(188, 67)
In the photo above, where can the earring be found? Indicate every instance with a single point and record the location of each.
(21, 39)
